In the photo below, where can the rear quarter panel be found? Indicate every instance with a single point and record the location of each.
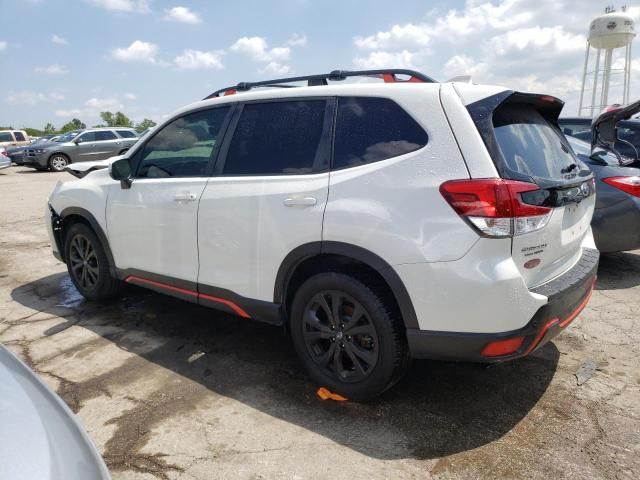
(394, 207)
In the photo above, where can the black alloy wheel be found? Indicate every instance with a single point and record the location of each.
(339, 336)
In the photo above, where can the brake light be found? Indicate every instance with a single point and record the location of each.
(494, 206)
(631, 185)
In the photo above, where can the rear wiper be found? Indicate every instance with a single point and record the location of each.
(570, 168)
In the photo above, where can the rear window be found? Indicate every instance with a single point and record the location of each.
(19, 136)
(105, 135)
(373, 129)
(126, 133)
(530, 144)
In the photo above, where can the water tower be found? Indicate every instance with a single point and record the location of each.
(606, 33)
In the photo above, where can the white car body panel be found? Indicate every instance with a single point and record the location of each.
(152, 226)
(245, 230)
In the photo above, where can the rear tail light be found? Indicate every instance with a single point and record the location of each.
(494, 206)
(631, 185)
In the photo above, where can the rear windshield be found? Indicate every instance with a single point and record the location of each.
(530, 144)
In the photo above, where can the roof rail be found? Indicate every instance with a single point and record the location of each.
(389, 75)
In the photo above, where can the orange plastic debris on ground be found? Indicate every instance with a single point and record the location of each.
(325, 394)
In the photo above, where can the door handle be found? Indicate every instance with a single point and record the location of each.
(184, 197)
(300, 202)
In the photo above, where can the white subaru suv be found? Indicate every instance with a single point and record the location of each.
(377, 221)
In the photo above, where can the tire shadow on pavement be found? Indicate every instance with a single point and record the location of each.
(438, 409)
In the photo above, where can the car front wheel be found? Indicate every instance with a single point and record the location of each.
(58, 162)
(87, 264)
(348, 336)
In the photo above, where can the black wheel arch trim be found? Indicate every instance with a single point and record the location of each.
(388, 273)
(95, 226)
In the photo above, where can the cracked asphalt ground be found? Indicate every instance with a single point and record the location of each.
(168, 390)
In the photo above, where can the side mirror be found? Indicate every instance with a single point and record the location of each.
(121, 170)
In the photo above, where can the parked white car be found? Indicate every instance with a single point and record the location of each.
(13, 138)
(377, 222)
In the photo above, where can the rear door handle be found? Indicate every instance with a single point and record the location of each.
(184, 197)
(300, 202)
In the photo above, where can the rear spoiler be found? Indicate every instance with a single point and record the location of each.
(604, 131)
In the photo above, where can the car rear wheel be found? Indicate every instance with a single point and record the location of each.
(348, 336)
(87, 264)
(58, 162)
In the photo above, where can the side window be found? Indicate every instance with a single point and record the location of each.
(87, 137)
(6, 137)
(372, 129)
(104, 135)
(19, 136)
(183, 147)
(126, 133)
(278, 138)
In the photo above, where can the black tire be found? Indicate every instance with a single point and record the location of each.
(377, 341)
(58, 162)
(87, 264)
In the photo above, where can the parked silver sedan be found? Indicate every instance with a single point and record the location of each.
(79, 146)
(40, 438)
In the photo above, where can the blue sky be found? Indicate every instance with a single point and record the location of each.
(74, 58)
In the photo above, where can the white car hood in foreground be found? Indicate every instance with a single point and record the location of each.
(80, 169)
(39, 436)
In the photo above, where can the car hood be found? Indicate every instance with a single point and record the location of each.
(40, 437)
(81, 169)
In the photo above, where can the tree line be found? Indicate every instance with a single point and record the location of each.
(109, 119)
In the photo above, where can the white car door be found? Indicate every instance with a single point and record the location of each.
(267, 197)
(152, 226)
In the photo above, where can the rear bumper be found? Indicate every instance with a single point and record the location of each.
(567, 295)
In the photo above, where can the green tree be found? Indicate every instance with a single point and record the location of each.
(118, 119)
(74, 124)
(107, 118)
(49, 129)
(33, 132)
(144, 124)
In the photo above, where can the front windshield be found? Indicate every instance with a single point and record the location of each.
(67, 137)
(584, 148)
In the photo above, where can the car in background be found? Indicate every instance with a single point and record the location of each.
(616, 219)
(13, 138)
(40, 436)
(17, 153)
(78, 146)
(628, 144)
(5, 161)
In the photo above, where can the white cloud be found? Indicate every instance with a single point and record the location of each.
(195, 59)
(33, 98)
(275, 68)
(103, 104)
(129, 96)
(183, 15)
(551, 39)
(400, 36)
(464, 65)
(297, 40)
(383, 59)
(130, 6)
(54, 69)
(138, 51)
(3, 46)
(58, 40)
(257, 49)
